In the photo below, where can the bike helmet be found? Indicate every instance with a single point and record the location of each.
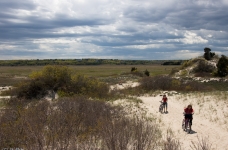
(189, 106)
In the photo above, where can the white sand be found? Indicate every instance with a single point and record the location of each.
(210, 120)
(5, 88)
(124, 85)
(214, 131)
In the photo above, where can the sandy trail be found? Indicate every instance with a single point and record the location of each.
(202, 127)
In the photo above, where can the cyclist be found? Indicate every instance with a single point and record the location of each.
(188, 112)
(164, 100)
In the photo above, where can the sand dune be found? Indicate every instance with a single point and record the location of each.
(210, 119)
(214, 131)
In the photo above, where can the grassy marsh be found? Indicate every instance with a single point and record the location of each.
(10, 75)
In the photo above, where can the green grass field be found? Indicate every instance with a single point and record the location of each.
(11, 75)
(115, 70)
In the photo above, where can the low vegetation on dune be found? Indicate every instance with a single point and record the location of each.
(85, 115)
(78, 123)
(201, 67)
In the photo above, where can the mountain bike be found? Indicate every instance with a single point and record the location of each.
(186, 125)
(161, 107)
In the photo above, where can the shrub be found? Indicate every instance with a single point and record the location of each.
(222, 66)
(170, 143)
(156, 83)
(176, 84)
(54, 77)
(190, 62)
(173, 71)
(168, 83)
(76, 123)
(193, 86)
(204, 74)
(147, 73)
(204, 66)
(31, 89)
(60, 79)
(83, 85)
(202, 144)
(133, 69)
(184, 73)
(137, 73)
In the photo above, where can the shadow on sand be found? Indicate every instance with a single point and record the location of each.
(166, 112)
(192, 132)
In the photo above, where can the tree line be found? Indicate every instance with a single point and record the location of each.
(43, 62)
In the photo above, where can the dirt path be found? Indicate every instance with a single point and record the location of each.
(202, 127)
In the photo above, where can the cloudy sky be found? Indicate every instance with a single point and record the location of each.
(112, 29)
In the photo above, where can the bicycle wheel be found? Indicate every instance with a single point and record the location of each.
(189, 126)
(160, 108)
(183, 124)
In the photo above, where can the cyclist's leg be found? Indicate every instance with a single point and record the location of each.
(191, 118)
(186, 121)
(188, 125)
(163, 104)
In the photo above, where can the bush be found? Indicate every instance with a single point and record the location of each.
(82, 85)
(184, 72)
(137, 73)
(173, 71)
(156, 83)
(168, 83)
(60, 79)
(204, 66)
(222, 66)
(133, 69)
(190, 62)
(31, 89)
(147, 73)
(204, 74)
(76, 123)
(193, 86)
(54, 77)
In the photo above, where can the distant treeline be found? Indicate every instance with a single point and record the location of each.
(172, 63)
(43, 62)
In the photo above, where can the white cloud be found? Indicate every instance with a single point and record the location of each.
(6, 46)
(182, 54)
(141, 47)
(54, 41)
(112, 28)
(193, 38)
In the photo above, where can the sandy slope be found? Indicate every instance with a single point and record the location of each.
(202, 126)
(211, 123)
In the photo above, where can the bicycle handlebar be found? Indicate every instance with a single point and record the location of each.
(189, 114)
